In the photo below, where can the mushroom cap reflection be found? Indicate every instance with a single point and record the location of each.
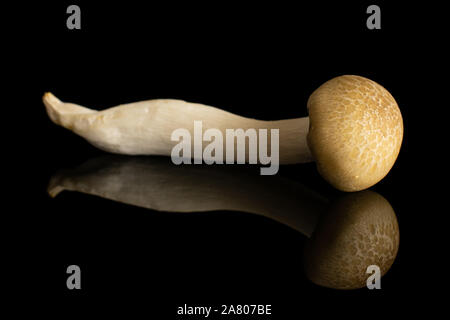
(359, 230)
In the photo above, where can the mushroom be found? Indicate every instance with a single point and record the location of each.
(345, 235)
(354, 130)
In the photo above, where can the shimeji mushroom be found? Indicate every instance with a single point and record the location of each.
(345, 236)
(354, 130)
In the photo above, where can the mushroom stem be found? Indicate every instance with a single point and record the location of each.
(145, 128)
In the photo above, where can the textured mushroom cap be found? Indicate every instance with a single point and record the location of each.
(359, 230)
(355, 133)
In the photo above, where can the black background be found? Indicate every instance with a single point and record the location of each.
(257, 60)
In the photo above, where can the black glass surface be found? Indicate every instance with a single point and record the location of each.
(257, 60)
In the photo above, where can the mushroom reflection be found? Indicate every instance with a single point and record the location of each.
(355, 231)
(156, 183)
(359, 229)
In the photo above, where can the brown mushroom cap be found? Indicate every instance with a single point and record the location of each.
(355, 133)
(359, 230)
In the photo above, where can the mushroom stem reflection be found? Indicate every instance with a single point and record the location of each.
(156, 183)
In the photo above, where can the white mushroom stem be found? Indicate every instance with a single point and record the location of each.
(157, 184)
(145, 128)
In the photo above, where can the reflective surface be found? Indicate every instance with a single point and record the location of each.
(346, 235)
